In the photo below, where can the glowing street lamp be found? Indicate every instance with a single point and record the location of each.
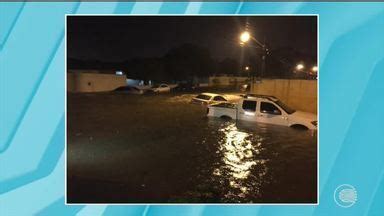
(247, 68)
(299, 67)
(314, 68)
(244, 37)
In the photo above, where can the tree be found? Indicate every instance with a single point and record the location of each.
(145, 69)
(188, 61)
(282, 61)
(229, 66)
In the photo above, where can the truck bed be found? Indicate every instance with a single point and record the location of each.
(223, 110)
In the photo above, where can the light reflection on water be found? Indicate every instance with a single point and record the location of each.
(239, 150)
(179, 155)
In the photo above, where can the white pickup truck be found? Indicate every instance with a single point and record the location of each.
(264, 109)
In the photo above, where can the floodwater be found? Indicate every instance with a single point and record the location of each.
(161, 149)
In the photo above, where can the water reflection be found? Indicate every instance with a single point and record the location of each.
(239, 150)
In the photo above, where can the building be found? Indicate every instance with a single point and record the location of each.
(93, 80)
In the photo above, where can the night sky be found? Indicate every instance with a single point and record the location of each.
(119, 38)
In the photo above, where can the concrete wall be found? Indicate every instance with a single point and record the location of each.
(93, 82)
(93, 71)
(226, 80)
(298, 94)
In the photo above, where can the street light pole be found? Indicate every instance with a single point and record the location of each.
(263, 62)
(244, 38)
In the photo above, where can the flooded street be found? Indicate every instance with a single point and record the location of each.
(161, 149)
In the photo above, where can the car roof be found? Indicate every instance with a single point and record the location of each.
(209, 94)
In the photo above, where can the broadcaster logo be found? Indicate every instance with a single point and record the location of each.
(345, 195)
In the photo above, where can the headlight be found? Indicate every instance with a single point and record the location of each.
(314, 123)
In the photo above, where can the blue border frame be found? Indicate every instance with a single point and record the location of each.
(32, 105)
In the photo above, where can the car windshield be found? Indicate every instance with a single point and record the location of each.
(286, 108)
(203, 97)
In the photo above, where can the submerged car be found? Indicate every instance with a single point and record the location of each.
(129, 90)
(264, 109)
(211, 98)
(185, 87)
(161, 88)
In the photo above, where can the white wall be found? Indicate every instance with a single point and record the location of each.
(93, 82)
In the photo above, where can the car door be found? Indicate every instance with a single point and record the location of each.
(247, 110)
(272, 114)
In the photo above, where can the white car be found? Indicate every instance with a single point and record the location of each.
(211, 98)
(264, 109)
(160, 88)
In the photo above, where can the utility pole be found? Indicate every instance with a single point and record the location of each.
(245, 37)
(263, 57)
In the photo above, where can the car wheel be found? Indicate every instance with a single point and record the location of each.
(225, 118)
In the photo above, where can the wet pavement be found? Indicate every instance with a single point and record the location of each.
(161, 149)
